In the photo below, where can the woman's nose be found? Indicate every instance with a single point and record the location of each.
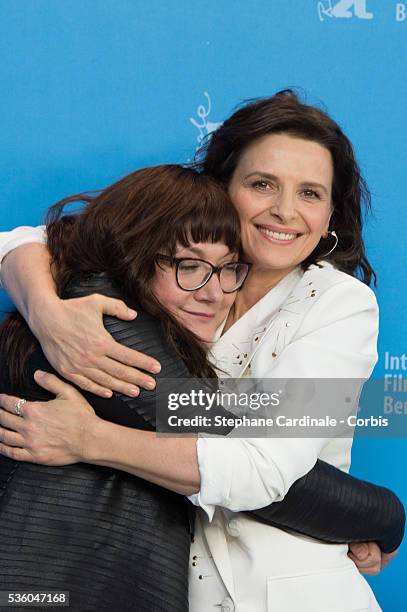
(211, 292)
(284, 205)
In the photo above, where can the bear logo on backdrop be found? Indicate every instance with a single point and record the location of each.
(202, 123)
(344, 9)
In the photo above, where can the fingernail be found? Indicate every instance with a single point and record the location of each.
(39, 373)
(107, 394)
(134, 392)
(150, 385)
(156, 368)
(132, 312)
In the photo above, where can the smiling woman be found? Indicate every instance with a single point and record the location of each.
(282, 191)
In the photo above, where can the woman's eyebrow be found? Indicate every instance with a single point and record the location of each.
(275, 178)
(197, 251)
(194, 250)
(315, 186)
(261, 173)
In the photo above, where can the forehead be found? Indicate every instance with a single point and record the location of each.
(204, 250)
(282, 154)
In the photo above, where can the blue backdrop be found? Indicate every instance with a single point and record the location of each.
(91, 90)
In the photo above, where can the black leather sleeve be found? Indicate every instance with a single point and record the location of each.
(333, 506)
(326, 504)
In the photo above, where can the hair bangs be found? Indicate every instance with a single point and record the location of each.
(210, 220)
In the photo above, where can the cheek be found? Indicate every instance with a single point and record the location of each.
(241, 207)
(242, 202)
(229, 299)
(165, 288)
(249, 206)
(227, 303)
(318, 222)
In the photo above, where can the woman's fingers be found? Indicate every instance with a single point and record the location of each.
(9, 402)
(11, 421)
(55, 385)
(99, 383)
(14, 453)
(123, 354)
(108, 375)
(126, 374)
(114, 307)
(11, 441)
(50, 433)
(106, 381)
(102, 382)
(85, 383)
(370, 569)
(61, 389)
(11, 438)
(367, 557)
(133, 358)
(78, 346)
(360, 550)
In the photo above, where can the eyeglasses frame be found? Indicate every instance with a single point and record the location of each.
(215, 270)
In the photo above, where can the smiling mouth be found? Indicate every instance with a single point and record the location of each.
(275, 236)
(201, 315)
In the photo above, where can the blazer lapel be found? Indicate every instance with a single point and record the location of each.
(216, 539)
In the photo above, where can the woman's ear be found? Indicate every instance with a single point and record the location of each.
(326, 231)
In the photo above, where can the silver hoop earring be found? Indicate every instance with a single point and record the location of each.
(334, 234)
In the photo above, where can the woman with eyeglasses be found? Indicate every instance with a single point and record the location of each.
(292, 176)
(112, 540)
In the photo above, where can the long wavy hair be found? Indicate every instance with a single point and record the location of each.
(285, 113)
(118, 232)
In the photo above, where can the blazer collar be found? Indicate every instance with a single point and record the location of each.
(232, 351)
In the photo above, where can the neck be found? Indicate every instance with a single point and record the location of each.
(257, 285)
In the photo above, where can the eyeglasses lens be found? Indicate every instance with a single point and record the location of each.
(232, 276)
(193, 274)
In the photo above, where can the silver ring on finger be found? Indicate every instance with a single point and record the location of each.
(18, 407)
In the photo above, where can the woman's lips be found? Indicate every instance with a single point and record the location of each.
(200, 315)
(282, 238)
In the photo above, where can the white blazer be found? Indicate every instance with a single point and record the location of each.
(320, 324)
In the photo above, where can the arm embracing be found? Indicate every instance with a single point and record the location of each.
(67, 328)
(24, 261)
(357, 511)
(330, 505)
(18, 237)
(326, 503)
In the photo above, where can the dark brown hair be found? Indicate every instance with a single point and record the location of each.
(285, 113)
(119, 232)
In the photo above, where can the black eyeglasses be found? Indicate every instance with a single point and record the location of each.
(192, 274)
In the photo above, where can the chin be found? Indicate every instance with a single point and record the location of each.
(275, 264)
(204, 335)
